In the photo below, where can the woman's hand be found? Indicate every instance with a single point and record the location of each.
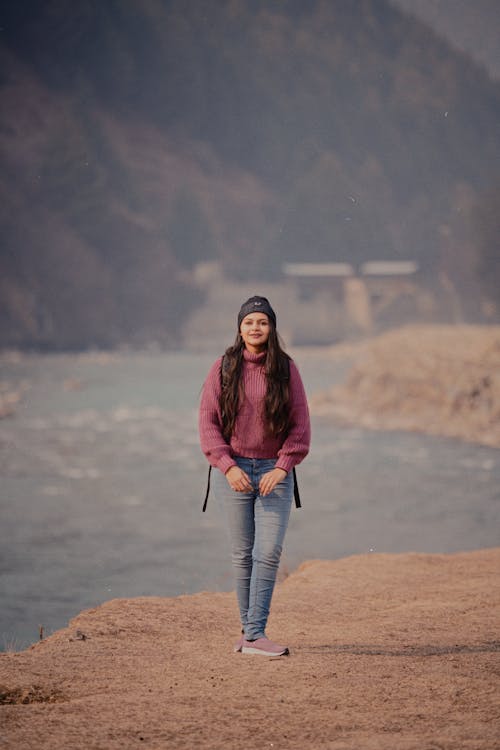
(238, 479)
(269, 481)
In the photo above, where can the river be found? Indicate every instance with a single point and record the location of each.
(102, 482)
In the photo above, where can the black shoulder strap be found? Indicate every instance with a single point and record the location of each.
(208, 489)
(296, 493)
(287, 360)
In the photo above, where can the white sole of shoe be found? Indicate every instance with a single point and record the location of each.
(250, 650)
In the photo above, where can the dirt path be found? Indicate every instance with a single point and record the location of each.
(388, 652)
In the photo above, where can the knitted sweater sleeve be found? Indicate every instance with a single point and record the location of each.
(213, 444)
(296, 445)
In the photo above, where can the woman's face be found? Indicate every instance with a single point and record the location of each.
(254, 330)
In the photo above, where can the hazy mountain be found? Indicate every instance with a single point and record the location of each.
(137, 138)
(473, 27)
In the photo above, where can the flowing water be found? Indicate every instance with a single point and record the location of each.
(102, 482)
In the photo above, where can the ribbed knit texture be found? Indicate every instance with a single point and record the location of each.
(250, 438)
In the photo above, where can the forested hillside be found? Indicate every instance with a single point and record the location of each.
(137, 138)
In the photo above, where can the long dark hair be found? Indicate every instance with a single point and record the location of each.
(276, 403)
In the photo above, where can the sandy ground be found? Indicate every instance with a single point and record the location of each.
(387, 652)
(444, 380)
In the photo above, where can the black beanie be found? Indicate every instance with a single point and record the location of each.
(254, 305)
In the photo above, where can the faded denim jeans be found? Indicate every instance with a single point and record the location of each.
(257, 527)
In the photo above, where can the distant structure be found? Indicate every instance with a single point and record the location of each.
(389, 268)
(325, 303)
(364, 294)
(313, 278)
(312, 270)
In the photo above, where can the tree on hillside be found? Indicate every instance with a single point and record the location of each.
(189, 233)
(486, 226)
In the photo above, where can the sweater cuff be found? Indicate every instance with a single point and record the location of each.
(225, 462)
(286, 463)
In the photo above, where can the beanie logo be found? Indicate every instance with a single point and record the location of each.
(257, 303)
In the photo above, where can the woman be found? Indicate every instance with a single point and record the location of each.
(254, 428)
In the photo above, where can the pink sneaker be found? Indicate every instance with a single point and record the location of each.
(239, 643)
(264, 647)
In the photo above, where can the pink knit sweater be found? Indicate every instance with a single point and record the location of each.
(250, 438)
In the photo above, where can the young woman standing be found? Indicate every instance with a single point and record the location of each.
(254, 428)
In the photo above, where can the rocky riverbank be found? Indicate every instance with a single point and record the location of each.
(444, 380)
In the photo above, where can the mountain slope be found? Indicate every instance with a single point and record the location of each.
(146, 136)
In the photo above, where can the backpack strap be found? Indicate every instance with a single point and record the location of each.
(296, 493)
(208, 489)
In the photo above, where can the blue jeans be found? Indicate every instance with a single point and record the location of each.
(257, 527)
